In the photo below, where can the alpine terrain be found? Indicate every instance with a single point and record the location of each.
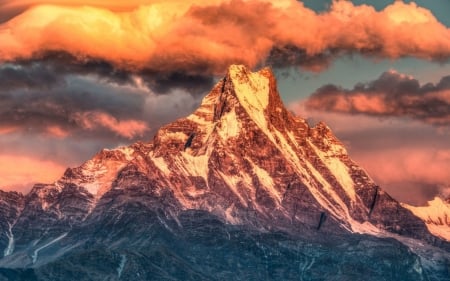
(240, 190)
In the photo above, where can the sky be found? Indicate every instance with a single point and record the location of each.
(77, 76)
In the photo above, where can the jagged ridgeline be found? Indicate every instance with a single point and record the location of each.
(239, 190)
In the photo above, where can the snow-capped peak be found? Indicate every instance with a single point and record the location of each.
(436, 216)
(97, 174)
(242, 152)
(251, 88)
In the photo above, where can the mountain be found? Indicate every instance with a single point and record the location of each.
(436, 215)
(241, 189)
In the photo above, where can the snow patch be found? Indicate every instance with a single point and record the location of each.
(252, 88)
(194, 165)
(163, 222)
(229, 125)
(267, 182)
(442, 231)
(99, 173)
(337, 210)
(161, 165)
(36, 252)
(252, 91)
(10, 248)
(232, 182)
(165, 136)
(198, 119)
(334, 149)
(340, 210)
(123, 260)
(339, 170)
(127, 152)
(436, 216)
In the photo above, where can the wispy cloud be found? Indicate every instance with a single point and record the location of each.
(92, 120)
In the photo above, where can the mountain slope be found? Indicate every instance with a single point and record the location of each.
(241, 175)
(436, 215)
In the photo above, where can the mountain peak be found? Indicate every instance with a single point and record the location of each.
(255, 93)
(240, 159)
(253, 89)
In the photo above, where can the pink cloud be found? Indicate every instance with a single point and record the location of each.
(93, 120)
(8, 129)
(391, 95)
(56, 131)
(31, 171)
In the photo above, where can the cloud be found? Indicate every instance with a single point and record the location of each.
(32, 170)
(204, 37)
(40, 100)
(391, 95)
(413, 173)
(52, 68)
(92, 120)
(35, 76)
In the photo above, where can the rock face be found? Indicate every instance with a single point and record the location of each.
(11, 206)
(241, 189)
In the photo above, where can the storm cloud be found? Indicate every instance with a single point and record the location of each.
(391, 95)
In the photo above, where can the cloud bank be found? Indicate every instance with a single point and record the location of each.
(391, 95)
(204, 37)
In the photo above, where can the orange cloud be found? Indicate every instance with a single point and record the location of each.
(200, 36)
(117, 4)
(56, 131)
(123, 4)
(8, 129)
(95, 119)
(31, 171)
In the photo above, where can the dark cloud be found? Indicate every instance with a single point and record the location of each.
(391, 95)
(34, 76)
(55, 107)
(50, 67)
(60, 96)
(282, 57)
(166, 82)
